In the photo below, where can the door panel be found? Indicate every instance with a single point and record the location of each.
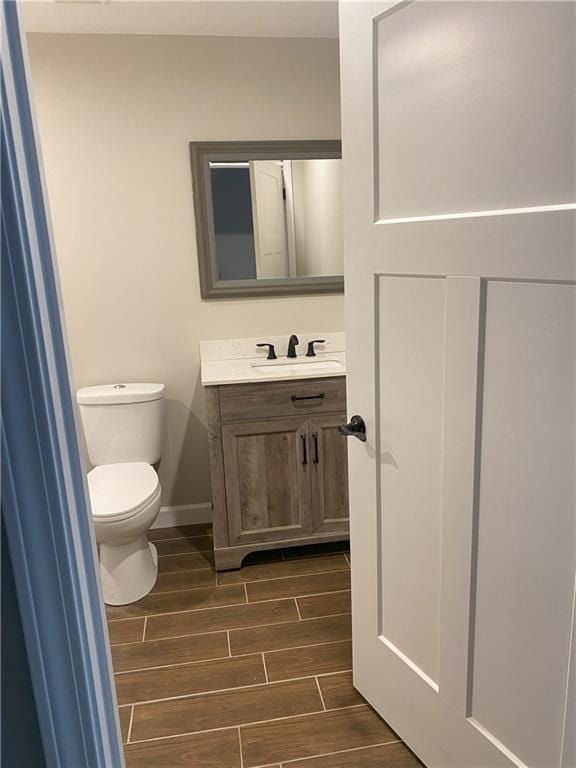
(526, 531)
(460, 248)
(267, 481)
(473, 152)
(268, 211)
(411, 403)
(329, 473)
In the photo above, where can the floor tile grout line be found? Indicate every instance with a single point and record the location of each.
(305, 594)
(190, 610)
(298, 609)
(240, 745)
(207, 525)
(177, 637)
(110, 619)
(179, 592)
(230, 605)
(125, 672)
(182, 589)
(320, 693)
(143, 702)
(349, 706)
(128, 618)
(208, 567)
(261, 626)
(292, 647)
(176, 533)
(144, 629)
(187, 539)
(315, 554)
(338, 752)
(193, 662)
(319, 674)
(199, 536)
(249, 724)
(194, 610)
(246, 593)
(153, 591)
(237, 605)
(130, 725)
(207, 535)
(290, 576)
(228, 641)
(347, 559)
(264, 665)
(210, 692)
(185, 552)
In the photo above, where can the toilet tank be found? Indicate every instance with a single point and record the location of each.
(122, 422)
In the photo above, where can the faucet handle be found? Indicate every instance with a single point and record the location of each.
(271, 352)
(311, 351)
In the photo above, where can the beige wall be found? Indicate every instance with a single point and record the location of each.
(116, 114)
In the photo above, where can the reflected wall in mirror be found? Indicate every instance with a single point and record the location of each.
(268, 217)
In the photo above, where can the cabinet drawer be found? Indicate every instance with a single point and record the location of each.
(282, 398)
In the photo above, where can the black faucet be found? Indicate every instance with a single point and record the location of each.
(293, 341)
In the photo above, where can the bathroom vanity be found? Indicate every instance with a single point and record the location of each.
(278, 463)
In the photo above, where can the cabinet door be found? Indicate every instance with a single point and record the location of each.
(329, 474)
(267, 468)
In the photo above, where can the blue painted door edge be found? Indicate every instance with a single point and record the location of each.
(44, 502)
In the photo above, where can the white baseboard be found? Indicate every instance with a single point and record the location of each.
(185, 514)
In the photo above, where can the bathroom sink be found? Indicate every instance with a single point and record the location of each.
(286, 368)
(242, 361)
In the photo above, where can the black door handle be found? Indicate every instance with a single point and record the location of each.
(316, 458)
(354, 428)
(304, 449)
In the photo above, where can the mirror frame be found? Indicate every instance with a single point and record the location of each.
(201, 154)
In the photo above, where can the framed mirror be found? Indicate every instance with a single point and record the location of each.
(268, 217)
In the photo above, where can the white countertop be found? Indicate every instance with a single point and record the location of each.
(240, 361)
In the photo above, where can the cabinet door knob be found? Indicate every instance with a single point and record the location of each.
(354, 428)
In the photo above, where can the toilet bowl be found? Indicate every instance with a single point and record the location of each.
(125, 501)
(123, 425)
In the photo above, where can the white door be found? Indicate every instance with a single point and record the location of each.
(269, 216)
(458, 147)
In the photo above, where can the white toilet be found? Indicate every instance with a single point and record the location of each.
(123, 426)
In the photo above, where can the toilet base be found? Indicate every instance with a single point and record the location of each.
(128, 571)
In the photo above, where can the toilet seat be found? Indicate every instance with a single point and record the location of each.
(121, 491)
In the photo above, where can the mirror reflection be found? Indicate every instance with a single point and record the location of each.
(277, 218)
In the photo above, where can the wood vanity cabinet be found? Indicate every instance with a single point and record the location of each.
(279, 466)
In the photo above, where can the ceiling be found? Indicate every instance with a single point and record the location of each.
(214, 18)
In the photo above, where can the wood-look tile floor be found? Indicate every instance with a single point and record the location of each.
(244, 669)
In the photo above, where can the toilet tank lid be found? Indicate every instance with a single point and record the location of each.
(110, 394)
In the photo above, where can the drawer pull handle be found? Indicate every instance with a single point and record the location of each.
(296, 398)
(304, 450)
(316, 459)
